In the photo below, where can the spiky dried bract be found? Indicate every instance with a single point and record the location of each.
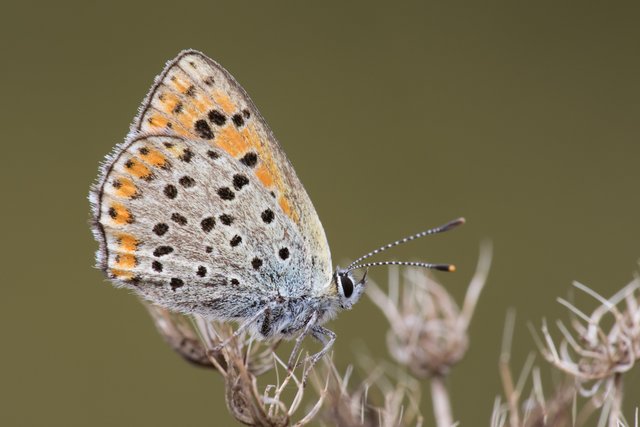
(246, 359)
(353, 406)
(591, 353)
(600, 347)
(428, 329)
(554, 412)
(535, 409)
(178, 331)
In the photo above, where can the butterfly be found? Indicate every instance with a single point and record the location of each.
(200, 211)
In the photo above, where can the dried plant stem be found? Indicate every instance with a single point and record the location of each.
(441, 402)
(616, 401)
(511, 393)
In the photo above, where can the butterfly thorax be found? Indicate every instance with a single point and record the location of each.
(287, 317)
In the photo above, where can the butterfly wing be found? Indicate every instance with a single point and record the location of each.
(200, 209)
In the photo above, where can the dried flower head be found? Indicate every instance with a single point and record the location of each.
(397, 397)
(240, 361)
(594, 354)
(246, 359)
(428, 330)
(535, 409)
(179, 333)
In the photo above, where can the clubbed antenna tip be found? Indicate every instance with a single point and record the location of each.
(455, 223)
(446, 267)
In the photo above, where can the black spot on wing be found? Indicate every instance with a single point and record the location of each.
(162, 250)
(225, 193)
(207, 224)
(202, 129)
(186, 155)
(170, 191)
(226, 219)
(235, 240)
(160, 228)
(238, 120)
(217, 118)
(250, 159)
(267, 216)
(178, 218)
(187, 181)
(256, 263)
(239, 181)
(176, 283)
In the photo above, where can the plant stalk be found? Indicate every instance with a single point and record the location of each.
(441, 402)
(616, 404)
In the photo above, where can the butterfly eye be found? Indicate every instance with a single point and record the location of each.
(347, 286)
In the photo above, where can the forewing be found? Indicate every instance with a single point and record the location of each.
(196, 98)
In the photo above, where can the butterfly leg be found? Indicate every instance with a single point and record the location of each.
(327, 338)
(244, 325)
(291, 365)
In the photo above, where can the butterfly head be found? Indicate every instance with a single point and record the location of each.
(349, 290)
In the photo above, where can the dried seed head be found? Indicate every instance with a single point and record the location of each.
(428, 330)
(590, 352)
(396, 397)
(178, 331)
(244, 361)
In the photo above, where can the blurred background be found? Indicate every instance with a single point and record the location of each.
(521, 117)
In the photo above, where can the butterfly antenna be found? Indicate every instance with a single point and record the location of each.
(441, 229)
(440, 267)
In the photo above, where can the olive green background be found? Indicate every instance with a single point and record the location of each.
(521, 116)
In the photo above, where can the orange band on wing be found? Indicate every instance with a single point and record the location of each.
(224, 101)
(126, 261)
(231, 141)
(191, 93)
(169, 102)
(153, 157)
(202, 104)
(128, 243)
(264, 175)
(126, 188)
(119, 214)
(157, 121)
(180, 84)
(121, 274)
(286, 207)
(137, 169)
